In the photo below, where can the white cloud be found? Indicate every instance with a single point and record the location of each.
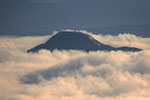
(125, 39)
(99, 75)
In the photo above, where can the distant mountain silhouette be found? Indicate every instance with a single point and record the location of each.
(139, 30)
(66, 40)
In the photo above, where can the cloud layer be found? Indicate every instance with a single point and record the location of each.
(73, 75)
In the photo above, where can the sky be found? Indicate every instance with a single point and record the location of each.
(35, 16)
(74, 74)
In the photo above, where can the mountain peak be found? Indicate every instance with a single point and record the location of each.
(72, 40)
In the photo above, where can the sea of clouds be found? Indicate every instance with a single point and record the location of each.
(74, 75)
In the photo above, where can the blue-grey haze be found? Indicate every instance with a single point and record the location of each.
(28, 17)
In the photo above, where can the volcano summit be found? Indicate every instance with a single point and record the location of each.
(66, 40)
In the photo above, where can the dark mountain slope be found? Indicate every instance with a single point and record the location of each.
(76, 41)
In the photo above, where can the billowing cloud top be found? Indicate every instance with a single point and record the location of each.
(74, 75)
